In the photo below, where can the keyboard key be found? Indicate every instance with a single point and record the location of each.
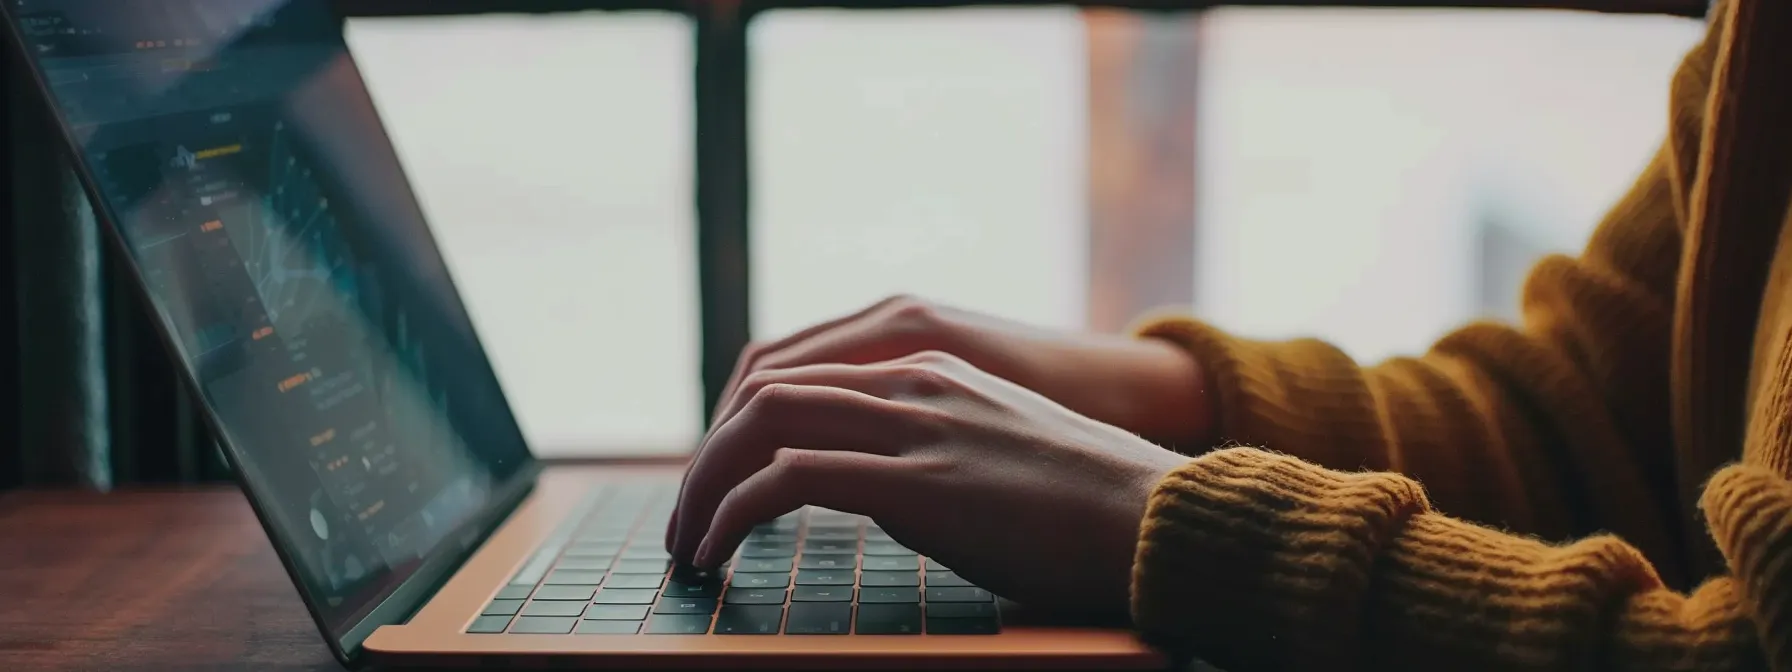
(776, 565)
(947, 580)
(577, 550)
(886, 548)
(514, 592)
(592, 564)
(827, 561)
(692, 574)
(818, 527)
(634, 581)
(957, 595)
(753, 549)
(678, 624)
(821, 594)
(641, 567)
(626, 596)
(830, 546)
(745, 580)
(961, 610)
(543, 625)
(580, 593)
(771, 537)
(676, 588)
(889, 579)
(603, 536)
(754, 596)
(645, 553)
(616, 612)
(824, 577)
(892, 594)
(487, 625)
(834, 534)
(502, 608)
(935, 566)
(572, 578)
(962, 626)
(560, 608)
(889, 619)
(891, 563)
(780, 526)
(819, 618)
(685, 605)
(607, 628)
(736, 619)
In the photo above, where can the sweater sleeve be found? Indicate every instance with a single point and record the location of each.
(1256, 560)
(1556, 427)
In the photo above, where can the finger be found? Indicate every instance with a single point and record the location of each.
(873, 382)
(894, 379)
(746, 364)
(749, 359)
(861, 483)
(893, 328)
(817, 418)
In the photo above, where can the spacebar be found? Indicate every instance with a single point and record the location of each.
(539, 563)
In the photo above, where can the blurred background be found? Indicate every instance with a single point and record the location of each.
(1371, 176)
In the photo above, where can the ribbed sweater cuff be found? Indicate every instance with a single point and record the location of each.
(1303, 396)
(1252, 558)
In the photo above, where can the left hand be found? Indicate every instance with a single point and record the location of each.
(1011, 490)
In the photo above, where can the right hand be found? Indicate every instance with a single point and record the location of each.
(1145, 386)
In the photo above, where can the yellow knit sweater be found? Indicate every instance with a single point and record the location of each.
(1608, 486)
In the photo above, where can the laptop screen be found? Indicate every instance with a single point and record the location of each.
(238, 153)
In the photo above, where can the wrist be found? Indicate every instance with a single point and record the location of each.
(1169, 397)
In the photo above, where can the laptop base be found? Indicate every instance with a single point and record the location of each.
(437, 635)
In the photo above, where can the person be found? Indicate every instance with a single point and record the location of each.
(1607, 485)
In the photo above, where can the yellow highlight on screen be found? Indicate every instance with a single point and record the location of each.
(294, 381)
(216, 152)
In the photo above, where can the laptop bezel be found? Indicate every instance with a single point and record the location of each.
(410, 594)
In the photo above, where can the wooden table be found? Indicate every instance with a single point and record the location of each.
(151, 580)
(146, 580)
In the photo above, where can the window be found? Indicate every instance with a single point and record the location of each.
(1348, 158)
(553, 156)
(932, 152)
(1373, 177)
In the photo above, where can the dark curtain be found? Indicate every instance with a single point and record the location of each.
(96, 402)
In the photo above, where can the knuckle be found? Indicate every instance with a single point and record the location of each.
(901, 299)
(779, 394)
(913, 310)
(759, 380)
(938, 359)
(793, 464)
(751, 354)
(926, 380)
(773, 399)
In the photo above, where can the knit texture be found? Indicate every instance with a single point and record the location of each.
(1607, 485)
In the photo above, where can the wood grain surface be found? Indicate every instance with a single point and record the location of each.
(146, 580)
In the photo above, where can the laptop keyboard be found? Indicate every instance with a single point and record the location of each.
(605, 571)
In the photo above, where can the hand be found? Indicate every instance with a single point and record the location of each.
(1013, 491)
(1145, 386)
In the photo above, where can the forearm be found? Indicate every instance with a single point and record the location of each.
(1259, 561)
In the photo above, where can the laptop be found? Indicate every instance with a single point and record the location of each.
(232, 151)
